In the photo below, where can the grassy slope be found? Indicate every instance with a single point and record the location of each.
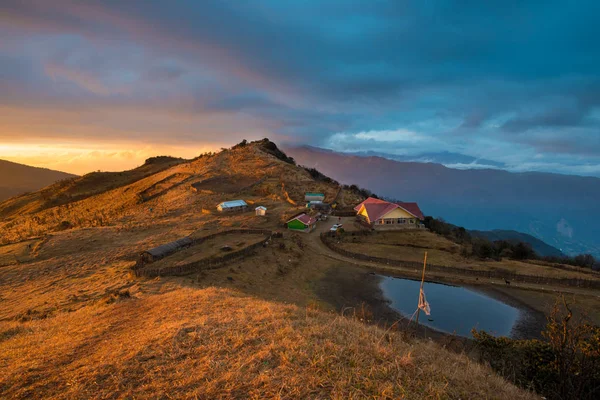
(216, 343)
(275, 182)
(78, 188)
(66, 332)
(410, 245)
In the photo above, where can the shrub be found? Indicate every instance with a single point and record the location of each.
(65, 225)
(319, 176)
(241, 144)
(565, 365)
(584, 260)
(272, 148)
(483, 248)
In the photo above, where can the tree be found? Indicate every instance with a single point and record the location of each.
(585, 260)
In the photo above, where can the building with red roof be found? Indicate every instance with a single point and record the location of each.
(381, 214)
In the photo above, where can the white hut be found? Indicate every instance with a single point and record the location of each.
(261, 211)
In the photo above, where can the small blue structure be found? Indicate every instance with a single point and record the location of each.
(233, 205)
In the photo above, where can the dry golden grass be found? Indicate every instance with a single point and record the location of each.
(410, 246)
(584, 305)
(216, 343)
(209, 249)
(78, 188)
(132, 199)
(18, 252)
(75, 324)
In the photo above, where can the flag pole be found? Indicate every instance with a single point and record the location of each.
(422, 281)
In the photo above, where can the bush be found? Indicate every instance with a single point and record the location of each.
(483, 249)
(565, 365)
(272, 148)
(241, 144)
(582, 260)
(457, 234)
(523, 251)
(65, 225)
(318, 176)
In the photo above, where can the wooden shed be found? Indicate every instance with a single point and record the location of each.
(261, 211)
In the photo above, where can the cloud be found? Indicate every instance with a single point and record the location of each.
(498, 80)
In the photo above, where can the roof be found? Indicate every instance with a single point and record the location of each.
(377, 208)
(261, 208)
(168, 248)
(370, 200)
(233, 203)
(305, 219)
(314, 194)
(412, 208)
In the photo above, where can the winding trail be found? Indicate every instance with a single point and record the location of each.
(318, 247)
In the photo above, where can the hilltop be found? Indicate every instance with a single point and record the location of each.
(75, 322)
(16, 179)
(165, 186)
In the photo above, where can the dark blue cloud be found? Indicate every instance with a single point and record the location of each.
(509, 81)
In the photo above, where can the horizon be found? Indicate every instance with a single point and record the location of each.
(99, 86)
(130, 163)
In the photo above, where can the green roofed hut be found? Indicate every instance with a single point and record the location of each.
(313, 196)
(302, 223)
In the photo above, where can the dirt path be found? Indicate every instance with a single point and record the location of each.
(318, 247)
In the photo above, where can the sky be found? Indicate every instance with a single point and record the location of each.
(104, 84)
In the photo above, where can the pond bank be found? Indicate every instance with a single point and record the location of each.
(353, 289)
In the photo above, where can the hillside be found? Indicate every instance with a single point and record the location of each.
(162, 186)
(79, 188)
(182, 345)
(541, 248)
(76, 323)
(16, 179)
(554, 208)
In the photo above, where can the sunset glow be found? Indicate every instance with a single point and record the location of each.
(392, 77)
(81, 158)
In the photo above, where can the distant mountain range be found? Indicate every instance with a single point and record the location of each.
(445, 158)
(16, 179)
(561, 210)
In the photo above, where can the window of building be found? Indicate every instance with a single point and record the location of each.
(401, 220)
(412, 221)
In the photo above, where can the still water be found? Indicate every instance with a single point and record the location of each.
(454, 309)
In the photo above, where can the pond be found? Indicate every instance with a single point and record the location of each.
(454, 309)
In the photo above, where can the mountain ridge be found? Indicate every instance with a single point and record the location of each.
(16, 179)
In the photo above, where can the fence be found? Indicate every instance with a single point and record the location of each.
(495, 274)
(141, 269)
